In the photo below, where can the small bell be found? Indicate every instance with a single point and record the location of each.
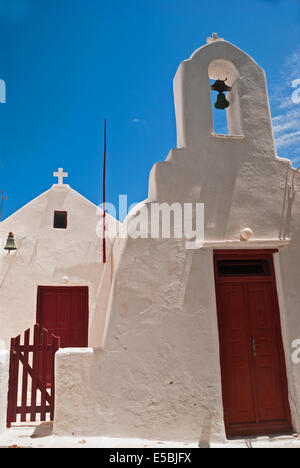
(10, 243)
(221, 87)
(221, 102)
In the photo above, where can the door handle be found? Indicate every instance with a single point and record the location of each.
(253, 347)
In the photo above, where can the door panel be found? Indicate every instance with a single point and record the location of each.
(79, 322)
(270, 395)
(254, 383)
(48, 302)
(63, 316)
(239, 398)
(64, 312)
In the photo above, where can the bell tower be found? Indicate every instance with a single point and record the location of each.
(248, 113)
(207, 163)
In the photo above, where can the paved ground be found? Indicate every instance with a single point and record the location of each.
(39, 435)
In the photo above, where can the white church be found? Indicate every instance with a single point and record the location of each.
(165, 342)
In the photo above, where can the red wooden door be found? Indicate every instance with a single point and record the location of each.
(63, 311)
(254, 379)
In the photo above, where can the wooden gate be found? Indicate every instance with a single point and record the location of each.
(31, 376)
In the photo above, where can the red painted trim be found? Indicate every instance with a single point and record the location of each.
(44, 359)
(55, 343)
(259, 254)
(16, 377)
(243, 255)
(25, 374)
(11, 384)
(34, 386)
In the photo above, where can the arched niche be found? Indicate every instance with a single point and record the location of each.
(220, 69)
(249, 117)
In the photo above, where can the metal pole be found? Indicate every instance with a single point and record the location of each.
(104, 173)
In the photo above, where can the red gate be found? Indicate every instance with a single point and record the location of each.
(37, 360)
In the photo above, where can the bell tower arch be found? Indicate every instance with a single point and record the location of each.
(248, 114)
(224, 73)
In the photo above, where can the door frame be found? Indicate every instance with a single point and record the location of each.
(251, 254)
(63, 288)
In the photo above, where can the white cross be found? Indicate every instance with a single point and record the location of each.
(60, 174)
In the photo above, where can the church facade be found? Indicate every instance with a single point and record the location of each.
(56, 270)
(193, 344)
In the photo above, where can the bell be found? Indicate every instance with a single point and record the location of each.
(221, 102)
(221, 87)
(10, 243)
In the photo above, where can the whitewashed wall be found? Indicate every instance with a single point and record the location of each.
(158, 374)
(4, 371)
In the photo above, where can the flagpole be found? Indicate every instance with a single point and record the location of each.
(104, 214)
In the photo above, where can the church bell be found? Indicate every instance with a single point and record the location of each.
(221, 102)
(221, 87)
(10, 243)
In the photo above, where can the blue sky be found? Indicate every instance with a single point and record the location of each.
(68, 64)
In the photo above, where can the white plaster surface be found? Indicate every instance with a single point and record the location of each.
(4, 370)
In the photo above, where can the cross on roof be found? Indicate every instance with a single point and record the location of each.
(214, 38)
(60, 175)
